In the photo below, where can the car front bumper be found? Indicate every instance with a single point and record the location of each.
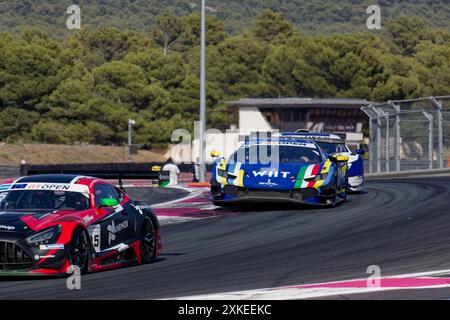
(356, 183)
(18, 258)
(231, 195)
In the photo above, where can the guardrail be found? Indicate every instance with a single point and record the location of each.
(93, 167)
(407, 174)
(9, 171)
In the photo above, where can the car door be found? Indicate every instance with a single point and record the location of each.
(116, 226)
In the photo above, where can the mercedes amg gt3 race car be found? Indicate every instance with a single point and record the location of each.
(300, 172)
(49, 223)
(334, 144)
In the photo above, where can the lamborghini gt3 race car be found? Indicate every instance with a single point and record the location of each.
(49, 223)
(334, 144)
(300, 172)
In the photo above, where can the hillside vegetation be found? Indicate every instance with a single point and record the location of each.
(311, 16)
(85, 88)
(60, 154)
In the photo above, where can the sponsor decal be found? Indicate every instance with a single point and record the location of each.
(4, 187)
(48, 186)
(4, 227)
(271, 173)
(137, 207)
(53, 246)
(269, 183)
(88, 219)
(37, 257)
(114, 229)
(289, 143)
(19, 186)
(64, 187)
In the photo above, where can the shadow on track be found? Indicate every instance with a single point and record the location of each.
(282, 207)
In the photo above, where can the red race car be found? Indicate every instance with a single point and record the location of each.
(51, 222)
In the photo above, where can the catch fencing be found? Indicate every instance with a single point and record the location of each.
(409, 135)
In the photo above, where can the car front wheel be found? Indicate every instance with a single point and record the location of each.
(79, 250)
(148, 241)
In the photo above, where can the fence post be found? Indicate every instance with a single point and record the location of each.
(374, 139)
(382, 114)
(396, 109)
(438, 105)
(378, 143)
(429, 117)
(387, 143)
(371, 147)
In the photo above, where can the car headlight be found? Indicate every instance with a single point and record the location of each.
(46, 236)
(222, 173)
(319, 177)
(322, 176)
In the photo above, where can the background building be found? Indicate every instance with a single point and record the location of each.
(289, 114)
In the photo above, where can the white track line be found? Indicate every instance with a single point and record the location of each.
(192, 194)
(294, 293)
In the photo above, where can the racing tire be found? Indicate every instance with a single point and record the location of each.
(148, 241)
(346, 187)
(334, 198)
(79, 250)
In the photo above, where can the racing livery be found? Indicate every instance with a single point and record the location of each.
(334, 144)
(50, 224)
(299, 172)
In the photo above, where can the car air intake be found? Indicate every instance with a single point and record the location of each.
(13, 257)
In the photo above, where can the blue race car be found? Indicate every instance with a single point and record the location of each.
(299, 171)
(334, 144)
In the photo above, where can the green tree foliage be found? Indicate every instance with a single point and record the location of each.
(168, 30)
(310, 16)
(85, 88)
(271, 25)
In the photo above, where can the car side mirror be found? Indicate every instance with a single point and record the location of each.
(215, 154)
(108, 202)
(360, 151)
(339, 158)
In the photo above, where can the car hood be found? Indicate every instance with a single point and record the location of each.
(17, 220)
(11, 221)
(12, 216)
(283, 176)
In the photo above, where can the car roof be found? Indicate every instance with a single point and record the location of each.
(54, 178)
(312, 134)
(315, 136)
(280, 139)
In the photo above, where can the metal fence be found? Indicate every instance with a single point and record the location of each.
(409, 134)
(9, 171)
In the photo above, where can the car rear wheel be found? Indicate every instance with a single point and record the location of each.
(79, 250)
(148, 241)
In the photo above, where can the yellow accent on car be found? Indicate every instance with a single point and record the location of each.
(240, 179)
(326, 167)
(215, 154)
(318, 184)
(342, 158)
(222, 166)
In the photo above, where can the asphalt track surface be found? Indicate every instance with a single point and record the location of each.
(402, 226)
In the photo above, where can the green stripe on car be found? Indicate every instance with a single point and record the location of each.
(301, 175)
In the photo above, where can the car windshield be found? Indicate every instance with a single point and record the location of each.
(331, 148)
(260, 153)
(43, 200)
